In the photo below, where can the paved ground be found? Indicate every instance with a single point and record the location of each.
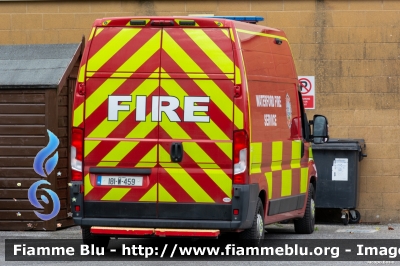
(276, 231)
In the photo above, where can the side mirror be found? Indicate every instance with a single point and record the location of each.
(320, 129)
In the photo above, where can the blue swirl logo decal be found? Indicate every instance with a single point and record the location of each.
(44, 169)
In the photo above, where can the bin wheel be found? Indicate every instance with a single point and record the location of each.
(355, 220)
(346, 219)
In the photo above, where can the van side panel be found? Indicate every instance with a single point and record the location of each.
(274, 107)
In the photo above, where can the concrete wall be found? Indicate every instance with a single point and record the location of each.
(351, 47)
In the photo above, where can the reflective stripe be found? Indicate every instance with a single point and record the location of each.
(87, 186)
(90, 145)
(277, 150)
(116, 194)
(256, 157)
(261, 34)
(150, 159)
(296, 154)
(304, 180)
(268, 176)
(286, 189)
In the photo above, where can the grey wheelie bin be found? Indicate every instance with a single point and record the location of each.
(338, 170)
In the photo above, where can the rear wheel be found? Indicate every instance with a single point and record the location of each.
(306, 224)
(254, 236)
(98, 241)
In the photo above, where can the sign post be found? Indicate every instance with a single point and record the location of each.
(307, 84)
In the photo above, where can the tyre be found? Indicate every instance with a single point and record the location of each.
(306, 224)
(98, 241)
(355, 220)
(254, 236)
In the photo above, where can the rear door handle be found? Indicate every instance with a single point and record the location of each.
(176, 152)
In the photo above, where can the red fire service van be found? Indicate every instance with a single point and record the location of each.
(190, 126)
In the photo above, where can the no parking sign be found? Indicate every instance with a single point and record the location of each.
(307, 84)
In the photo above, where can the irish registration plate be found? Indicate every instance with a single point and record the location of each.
(119, 180)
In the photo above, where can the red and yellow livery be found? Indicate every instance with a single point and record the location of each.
(185, 125)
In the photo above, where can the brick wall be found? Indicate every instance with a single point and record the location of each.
(351, 47)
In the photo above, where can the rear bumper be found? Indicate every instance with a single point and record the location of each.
(190, 216)
(158, 223)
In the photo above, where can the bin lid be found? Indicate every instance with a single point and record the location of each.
(341, 144)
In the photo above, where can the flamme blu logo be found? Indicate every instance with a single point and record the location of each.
(49, 166)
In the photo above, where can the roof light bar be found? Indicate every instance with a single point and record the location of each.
(249, 19)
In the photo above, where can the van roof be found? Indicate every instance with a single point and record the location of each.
(190, 21)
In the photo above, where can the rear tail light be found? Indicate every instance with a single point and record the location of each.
(77, 154)
(240, 148)
(77, 208)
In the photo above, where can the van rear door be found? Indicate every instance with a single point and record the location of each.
(120, 138)
(196, 124)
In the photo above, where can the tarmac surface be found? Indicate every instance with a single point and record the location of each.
(323, 233)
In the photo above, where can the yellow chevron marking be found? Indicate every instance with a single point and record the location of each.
(238, 77)
(262, 34)
(210, 129)
(211, 89)
(101, 94)
(98, 30)
(185, 180)
(151, 194)
(232, 36)
(221, 179)
(124, 147)
(87, 186)
(120, 151)
(106, 127)
(226, 147)
(111, 164)
(226, 33)
(238, 117)
(146, 165)
(151, 156)
(163, 195)
(142, 55)
(286, 189)
(91, 33)
(303, 180)
(208, 46)
(90, 145)
(208, 166)
(81, 76)
(179, 55)
(78, 115)
(116, 194)
(268, 176)
(196, 152)
(188, 184)
(110, 48)
(207, 86)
